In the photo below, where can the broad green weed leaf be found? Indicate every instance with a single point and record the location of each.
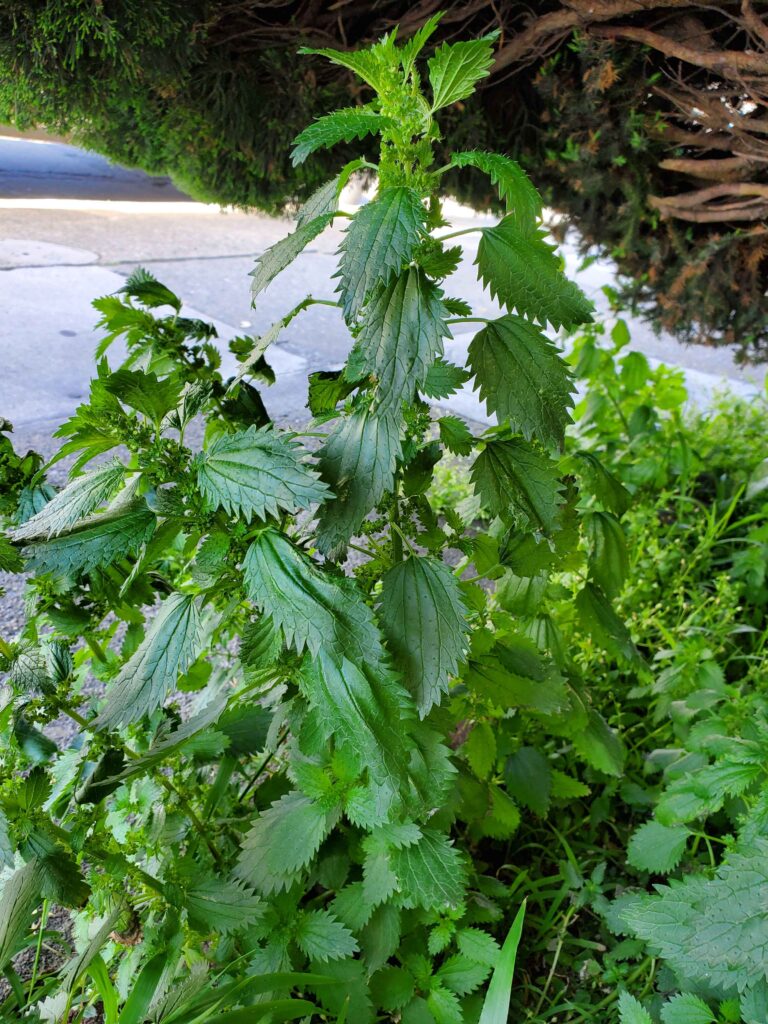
(515, 188)
(461, 975)
(145, 392)
(366, 712)
(517, 482)
(521, 377)
(282, 841)
(443, 1006)
(411, 50)
(221, 905)
(94, 542)
(284, 252)
(325, 200)
(401, 336)
(78, 499)
(174, 640)
(20, 895)
(456, 68)
(357, 462)
(529, 779)
(311, 609)
(608, 490)
(431, 872)
(444, 379)
(608, 556)
(424, 620)
(371, 65)
(326, 389)
(322, 937)
(712, 931)
(523, 273)
(631, 1011)
(456, 435)
(377, 244)
(340, 126)
(599, 745)
(686, 1009)
(478, 946)
(258, 472)
(600, 620)
(657, 848)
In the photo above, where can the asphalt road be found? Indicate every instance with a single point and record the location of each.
(40, 169)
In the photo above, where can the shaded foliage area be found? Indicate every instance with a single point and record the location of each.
(647, 119)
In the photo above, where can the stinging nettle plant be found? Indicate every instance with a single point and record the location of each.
(281, 761)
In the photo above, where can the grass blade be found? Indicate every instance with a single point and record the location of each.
(496, 1005)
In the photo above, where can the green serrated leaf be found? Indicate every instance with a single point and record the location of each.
(392, 987)
(19, 897)
(600, 620)
(258, 472)
(599, 745)
(358, 463)
(365, 712)
(456, 68)
(400, 338)
(443, 1006)
(381, 238)
(381, 936)
(478, 946)
(371, 65)
(323, 937)
(94, 542)
(145, 392)
(631, 1011)
(282, 841)
(657, 848)
(529, 779)
(78, 499)
(222, 905)
(523, 273)
(686, 1009)
(521, 376)
(515, 481)
(431, 873)
(456, 435)
(461, 974)
(609, 491)
(608, 555)
(174, 640)
(424, 621)
(444, 379)
(10, 559)
(326, 389)
(311, 609)
(283, 253)
(515, 188)
(440, 263)
(325, 200)
(340, 126)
